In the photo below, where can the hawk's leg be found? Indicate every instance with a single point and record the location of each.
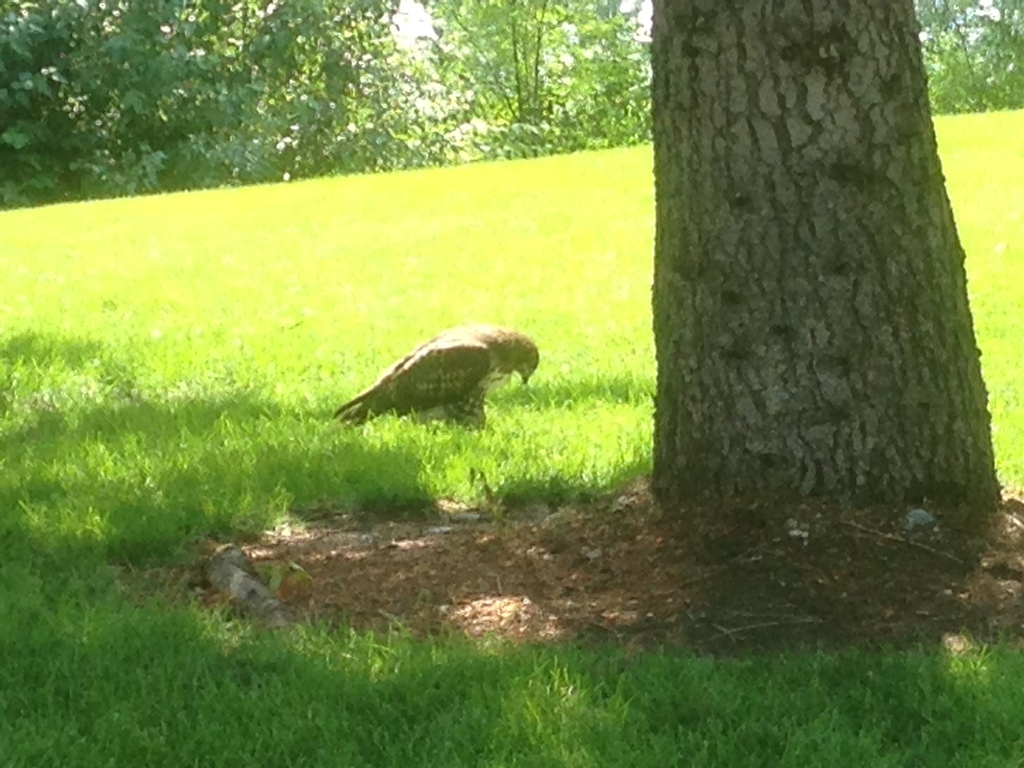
(468, 412)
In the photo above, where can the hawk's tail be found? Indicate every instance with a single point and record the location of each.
(355, 411)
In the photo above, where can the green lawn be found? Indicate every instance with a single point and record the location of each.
(173, 361)
(984, 164)
(168, 366)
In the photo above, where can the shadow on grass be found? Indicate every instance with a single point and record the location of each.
(562, 393)
(553, 488)
(146, 475)
(136, 475)
(133, 476)
(44, 350)
(217, 696)
(378, 702)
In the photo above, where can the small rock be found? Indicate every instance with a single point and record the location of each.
(438, 530)
(956, 643)
(449, 507)
(916, 518)
(534, 512)
(795, 531)
(557, 515)
(592, 554)
(465, 517)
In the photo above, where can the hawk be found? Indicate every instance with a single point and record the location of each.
(448, 376)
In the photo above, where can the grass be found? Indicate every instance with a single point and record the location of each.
(172, 362)
(167, 369)
(107, 686)
(983, 176)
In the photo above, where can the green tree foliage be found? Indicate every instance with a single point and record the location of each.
(974, 53)
(116, 96)
(547, 75)
(108, 97)
(111, 97)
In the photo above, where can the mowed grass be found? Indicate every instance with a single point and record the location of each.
(105, 686)
(170, 364)
(984, 167)
(168, 367)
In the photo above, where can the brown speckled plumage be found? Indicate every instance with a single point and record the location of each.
(447, 377)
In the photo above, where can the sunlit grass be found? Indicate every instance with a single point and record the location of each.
(168, 367)
(171, 363)
(984, 167)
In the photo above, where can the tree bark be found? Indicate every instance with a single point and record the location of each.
(811, 319)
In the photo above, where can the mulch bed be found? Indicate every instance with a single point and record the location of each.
(721, 581)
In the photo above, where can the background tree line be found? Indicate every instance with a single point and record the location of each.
(112, 97)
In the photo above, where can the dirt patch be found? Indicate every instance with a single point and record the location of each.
(721, 581)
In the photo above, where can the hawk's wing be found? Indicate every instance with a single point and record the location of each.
(440, 372)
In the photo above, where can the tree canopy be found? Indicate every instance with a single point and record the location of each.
(119, 97)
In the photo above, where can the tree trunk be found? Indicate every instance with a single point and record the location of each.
(811, 319)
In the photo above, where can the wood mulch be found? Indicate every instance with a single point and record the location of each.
(619, 570)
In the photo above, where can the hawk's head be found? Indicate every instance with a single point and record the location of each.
(511, 351)
(521, 356)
